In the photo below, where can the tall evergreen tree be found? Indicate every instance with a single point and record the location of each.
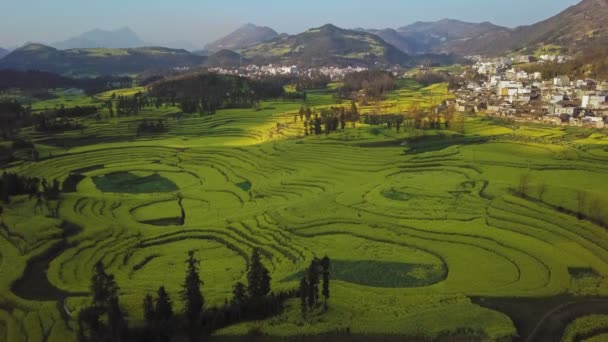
(313, 282)
(258, 278)
(149, 313)
(163, 309)
(103, 286)
(116, 321)
(191, 294)
(303, 295)
(325, 264)
(103, 320)
(239, 294)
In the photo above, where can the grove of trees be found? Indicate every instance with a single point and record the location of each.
(104, 319)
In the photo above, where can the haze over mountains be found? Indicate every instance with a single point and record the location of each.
(3, 52)
(577, 28)
(427, 37)
(120, 38)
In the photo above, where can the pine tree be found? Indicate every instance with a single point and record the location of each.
(103, 286)
(325, 264)
(163, 315)
(313, 283)
(149, 313)
(303, 295)
(258, 278)
(191, 294)
(239, 294)
(116, 321)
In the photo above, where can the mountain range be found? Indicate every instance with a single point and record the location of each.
(326, 45)
(97, 61)
(428, 37)
(579, 27)
(576, 29)
(120, 38)
(3, 52)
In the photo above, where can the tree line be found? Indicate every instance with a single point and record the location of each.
(370, 84)
(32, 80)
(12, 184)
(151, 127)
(207, 92)
(105, 320)
(13, 116)
(327, 120)
(441, 117)
(590, 62)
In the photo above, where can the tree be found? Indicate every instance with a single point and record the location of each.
(149, 313)
(116, 321)
(524, 184)
(239, 294)
(325, 264)
(581, 198)
(258, 278)
(103, 287)
(191, 294)
(163, 315)
(303, 290)
(542, 188)
(313, 283)
(103, 320)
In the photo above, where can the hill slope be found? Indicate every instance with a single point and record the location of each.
(3, 52)
(244, 37)
(579, 26)
(225, 59)
(427, 37)
(327, 45)
(121, 38)
(96, 61)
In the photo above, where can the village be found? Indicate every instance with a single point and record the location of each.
(257, 71)
(504, 90)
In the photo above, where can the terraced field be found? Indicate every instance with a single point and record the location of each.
(419, 230)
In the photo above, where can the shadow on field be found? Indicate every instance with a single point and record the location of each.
(34, 284)
(544, 319)
(429, 143)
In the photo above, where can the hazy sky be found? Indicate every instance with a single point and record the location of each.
(201, 21)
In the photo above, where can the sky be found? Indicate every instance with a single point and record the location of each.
(201, 21)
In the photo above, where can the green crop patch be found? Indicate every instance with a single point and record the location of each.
(383, 274)
(126, 182)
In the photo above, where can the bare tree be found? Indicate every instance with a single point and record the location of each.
(524, 184)
(581, 198)
(542, 188)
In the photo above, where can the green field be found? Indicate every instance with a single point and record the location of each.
(416, 228)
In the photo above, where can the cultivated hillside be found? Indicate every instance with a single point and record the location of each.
(96, 61)
(244, 37)
(121, 38)
(327, 45)
(580, 26)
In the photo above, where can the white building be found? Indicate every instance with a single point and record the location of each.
(561, 81)
(593, 101)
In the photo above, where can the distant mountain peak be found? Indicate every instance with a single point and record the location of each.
(327, 45)
(123, 37)
(579, 26)
(244, 37)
